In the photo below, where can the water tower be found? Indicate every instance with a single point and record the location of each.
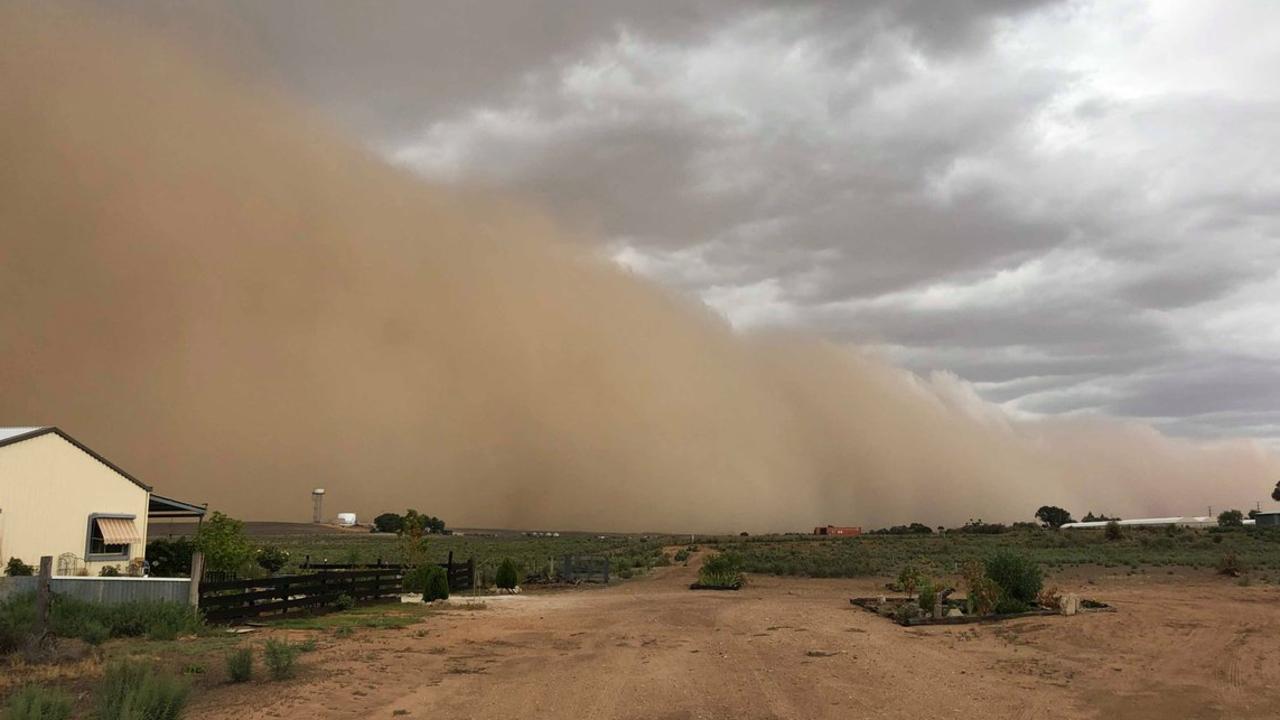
(317, 500)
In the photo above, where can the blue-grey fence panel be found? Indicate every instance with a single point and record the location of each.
(105, 590)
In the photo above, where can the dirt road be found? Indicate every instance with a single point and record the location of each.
(1179, 647)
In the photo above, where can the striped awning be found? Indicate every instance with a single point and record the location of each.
(119, 531)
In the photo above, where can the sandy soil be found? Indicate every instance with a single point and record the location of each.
(1178, 647)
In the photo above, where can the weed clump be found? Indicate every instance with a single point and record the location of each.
(240, 665)
(280, 658)
(35, 702)
(132, 690)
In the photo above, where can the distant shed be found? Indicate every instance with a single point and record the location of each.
(837, 530)
(1267, 519)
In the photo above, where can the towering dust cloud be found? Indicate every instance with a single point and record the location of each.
(238, 306)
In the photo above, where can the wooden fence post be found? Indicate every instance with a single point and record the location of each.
(197, 574)
(42, 597)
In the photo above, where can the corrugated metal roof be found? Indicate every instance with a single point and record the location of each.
(8, 432)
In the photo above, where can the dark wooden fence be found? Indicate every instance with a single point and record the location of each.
(240, 599)
(462, 576)
(584, 568)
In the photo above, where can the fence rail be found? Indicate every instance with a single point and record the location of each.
(462, 576)
(584, 568)
(239, 599)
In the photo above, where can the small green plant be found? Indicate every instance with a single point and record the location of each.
(35, 702)
(240, 665)
(280, 658)
(682, 555)
(928, 596)
(915, 574)
(343, 631)
(506, 577)
(983, 592)
(109, 571)
(132, 690)
(16, 568)
(345, 602)
(308, 645)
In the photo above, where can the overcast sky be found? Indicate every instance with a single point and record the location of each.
(1073, 205)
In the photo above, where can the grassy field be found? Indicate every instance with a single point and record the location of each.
(1258, 551)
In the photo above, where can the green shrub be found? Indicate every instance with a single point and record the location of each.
(109, 571)
(721, 571)
(308, 645)
(1114, 532)
(1230, 565)
(1018, 577)
(240, 665)
(345, 602)
(134, 691)
(38, 703)
(437, 584)
(682, 555)
(429, 580)
(17, 568)
(280, 657)
(506, 577)
(272, 558)
(170, 558)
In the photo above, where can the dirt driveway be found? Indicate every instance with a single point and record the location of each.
(1179, 647)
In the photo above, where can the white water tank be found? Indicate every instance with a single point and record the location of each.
(346, 518)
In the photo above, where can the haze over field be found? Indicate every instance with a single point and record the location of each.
(216, 290)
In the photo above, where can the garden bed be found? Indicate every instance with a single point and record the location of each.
(887, 607)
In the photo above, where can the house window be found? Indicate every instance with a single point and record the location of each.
(110, 537)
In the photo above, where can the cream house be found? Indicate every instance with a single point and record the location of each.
(59, 498)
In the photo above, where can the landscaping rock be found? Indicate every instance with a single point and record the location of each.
(1069, 604)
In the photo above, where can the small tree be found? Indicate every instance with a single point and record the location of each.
(1053, 516)
(223, 542)
(1275, 494)
(388, 523)
(1231, 518)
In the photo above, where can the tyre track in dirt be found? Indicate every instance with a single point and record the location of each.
(789, 648)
